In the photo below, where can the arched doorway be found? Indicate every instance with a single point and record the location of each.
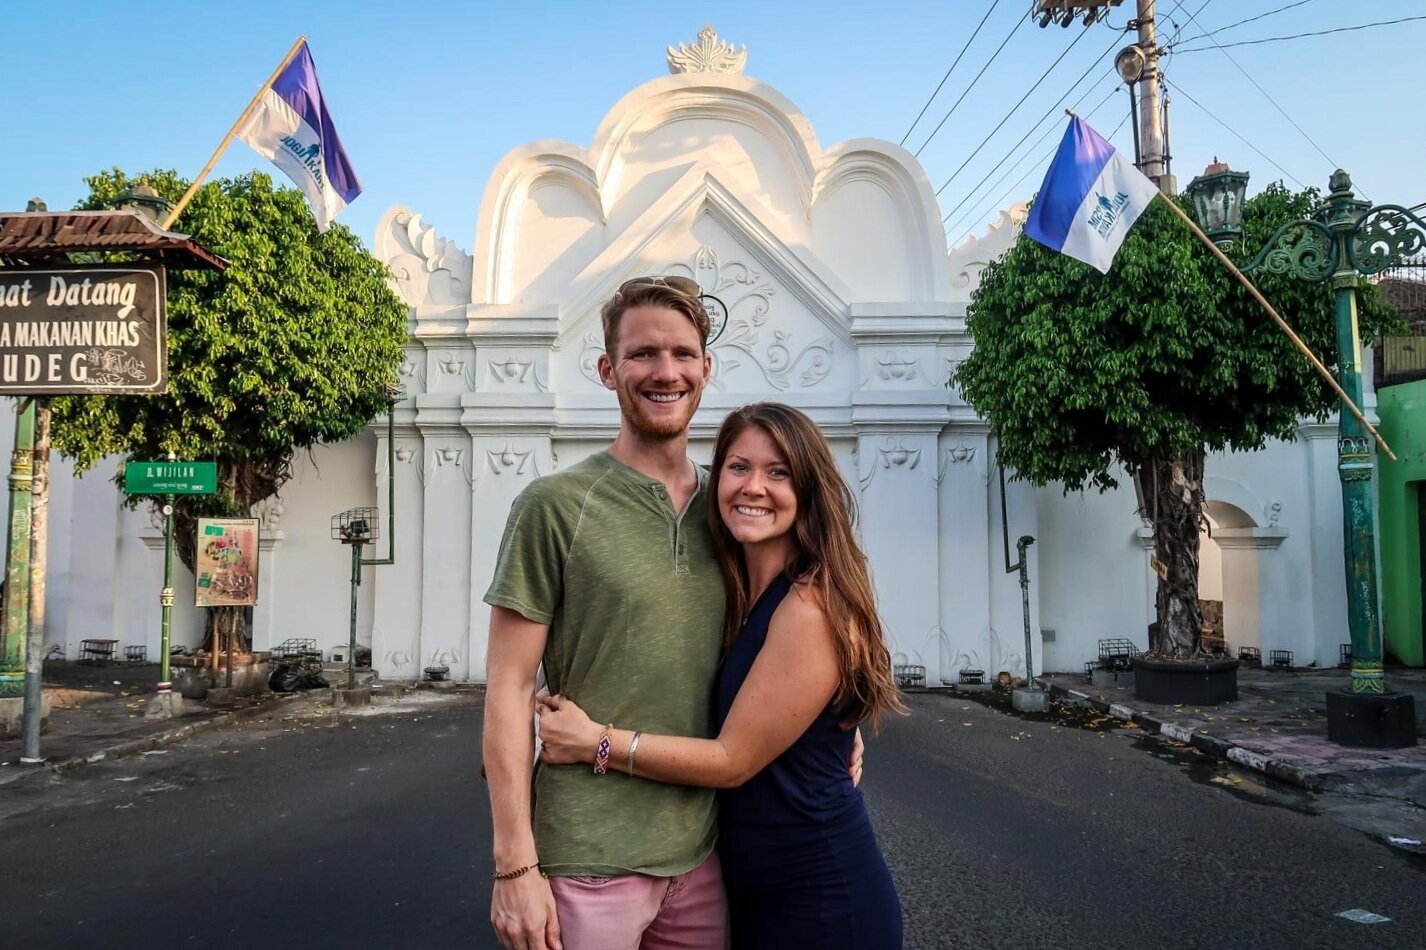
(1229, 577)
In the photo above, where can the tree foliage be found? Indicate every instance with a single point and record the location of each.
(1162, 358)
(296, 343)
(1149, 368)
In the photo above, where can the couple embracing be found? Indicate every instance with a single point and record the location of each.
(699, 630)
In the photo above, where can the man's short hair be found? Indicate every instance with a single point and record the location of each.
(671, 293)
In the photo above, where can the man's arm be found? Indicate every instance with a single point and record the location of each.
(522, 910)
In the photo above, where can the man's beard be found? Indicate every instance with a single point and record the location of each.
(632, 408)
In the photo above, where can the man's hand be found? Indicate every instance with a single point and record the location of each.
(858, 755)
(522, 911)
(567, 735)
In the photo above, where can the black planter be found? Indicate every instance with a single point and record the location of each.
(1186, 682)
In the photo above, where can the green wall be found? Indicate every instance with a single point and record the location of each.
(1403, 489)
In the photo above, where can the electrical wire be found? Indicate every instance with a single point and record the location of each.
(1040, 121)
(1298, 36)
(1178, 88)
(1019, 22)
(1250, 19)
(1038, 164)
(1016, 108)
(1266, 94)
(954, 64)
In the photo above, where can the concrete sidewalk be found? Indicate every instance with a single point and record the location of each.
(97, 712)
(1278, 726)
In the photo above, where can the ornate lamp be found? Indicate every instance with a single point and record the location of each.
(1217, 197)
(143, 199)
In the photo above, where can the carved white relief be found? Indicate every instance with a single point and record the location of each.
(969, 258)
(412, 370)
(1273, 512)
(268, 513)
(589, 357)
(748, 298)
(962, 454)
(457, 366)
(997, 658)
(511, 459)
(405, 454)
(892, 454)
(513, 372)
(708, 55)
(451, 458)
(896, 366)
(425, 267)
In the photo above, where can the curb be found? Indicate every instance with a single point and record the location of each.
(159, 739)
(1207, 744)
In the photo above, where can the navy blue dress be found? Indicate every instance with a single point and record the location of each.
(800, 861)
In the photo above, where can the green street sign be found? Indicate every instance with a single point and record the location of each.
(171, 478)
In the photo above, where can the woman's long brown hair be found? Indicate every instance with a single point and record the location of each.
(827, 558)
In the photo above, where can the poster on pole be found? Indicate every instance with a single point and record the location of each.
(226, 562)
(82, 331)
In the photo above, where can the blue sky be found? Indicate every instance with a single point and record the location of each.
(428, 97)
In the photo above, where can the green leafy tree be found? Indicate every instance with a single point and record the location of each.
(1146, 369)
(296, 343)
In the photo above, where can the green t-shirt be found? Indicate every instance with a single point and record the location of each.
(634, 602)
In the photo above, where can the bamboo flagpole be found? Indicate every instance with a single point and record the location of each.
(227, 139)
(1322, 371)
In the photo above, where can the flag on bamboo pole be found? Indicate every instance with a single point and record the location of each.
(292, 128)
(1090, 198)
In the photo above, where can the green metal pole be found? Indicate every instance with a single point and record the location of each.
(352, 639)
(166, 598)
(1024, 568)
(1354, 458)
(17, 574)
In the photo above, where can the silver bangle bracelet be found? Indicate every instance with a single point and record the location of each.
(633, 747)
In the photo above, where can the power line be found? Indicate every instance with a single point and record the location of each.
(1016, 108)
(1236, 133)
(1266, 94)
(1019, 22)
(1298, 36)
(1250, 19)
(1038, 164)
(1048, 112)
(949, 71)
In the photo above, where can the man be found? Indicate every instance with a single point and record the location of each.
(606, 575)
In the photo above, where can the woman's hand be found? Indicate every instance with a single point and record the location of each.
(568, 735)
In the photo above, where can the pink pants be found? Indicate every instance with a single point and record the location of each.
(638, 912)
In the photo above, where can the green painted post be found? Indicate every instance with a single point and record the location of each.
(352, 638)
(166, 598)
(1355, 465)
(17, 573)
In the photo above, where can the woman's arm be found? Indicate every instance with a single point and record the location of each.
(792, 680)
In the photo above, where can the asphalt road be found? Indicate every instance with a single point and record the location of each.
(309, 831)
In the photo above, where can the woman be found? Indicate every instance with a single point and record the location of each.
(806, 663)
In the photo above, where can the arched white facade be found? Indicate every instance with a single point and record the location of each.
(842, 300)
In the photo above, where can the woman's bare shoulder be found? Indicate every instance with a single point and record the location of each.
(801, 611)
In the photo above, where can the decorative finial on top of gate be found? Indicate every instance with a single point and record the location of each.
(708, 55)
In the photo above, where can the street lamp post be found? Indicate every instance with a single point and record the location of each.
(1346, 240)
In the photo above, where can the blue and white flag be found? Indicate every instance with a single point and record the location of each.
(292, 128)
(1090, 199)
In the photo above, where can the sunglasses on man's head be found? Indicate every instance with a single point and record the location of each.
(682, 285)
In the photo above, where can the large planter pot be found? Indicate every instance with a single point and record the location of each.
(1186, 682)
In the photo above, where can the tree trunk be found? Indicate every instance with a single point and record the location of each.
(1172, 490)
(242, 483)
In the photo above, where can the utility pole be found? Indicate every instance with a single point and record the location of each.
(1151, 128)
